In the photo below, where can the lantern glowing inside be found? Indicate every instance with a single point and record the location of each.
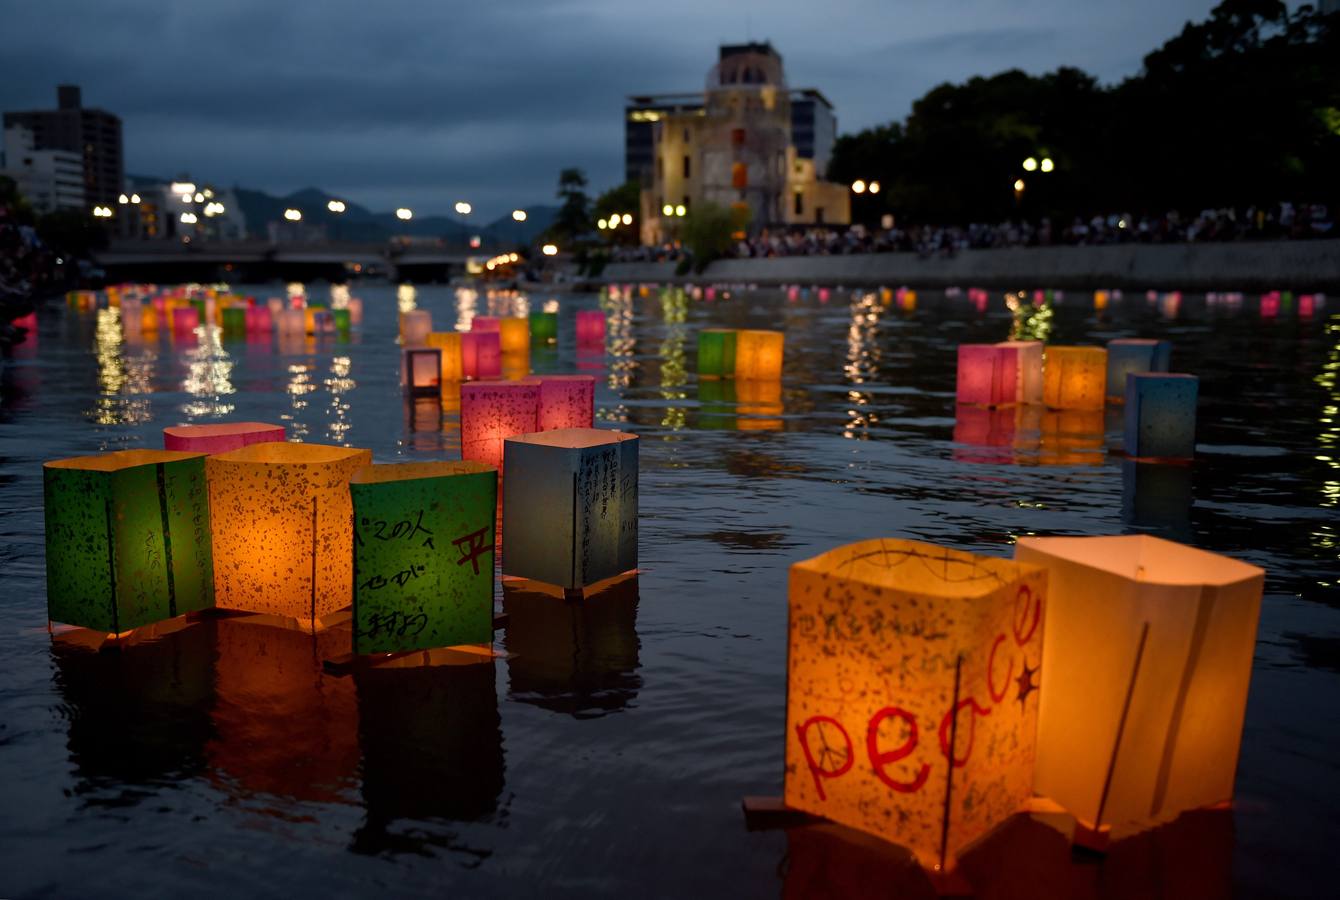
(292, 323)
(716, 353)
(1126, 355)
(1148, 658)
(185, 319)
(341, 320)
(758, 355)
(220, 438)
(514, 335)
(544, 327)
(1074, 377)
(259, 320)
(234, 319)
(481, 354)
(421, 371)
(591, 328)
(904, 657)
(319, 320)
(1161, 415)
(485, 323)
(1028, 367)
(283, 539)
(566, 401)
(415, 326)
(570, 506)
(423, 555)
(448, 343)
(492, 411)
(127, 538)
(1000, 374)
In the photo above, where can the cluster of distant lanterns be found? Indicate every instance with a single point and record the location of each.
(614, 221)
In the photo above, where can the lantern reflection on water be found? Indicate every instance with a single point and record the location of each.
(910, 692)
(283, 539)
(127, 538)
(570, 506)
(1148, 658)
(423, 555)
(221, 437)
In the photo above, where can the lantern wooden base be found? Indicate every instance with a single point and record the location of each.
(348, 663)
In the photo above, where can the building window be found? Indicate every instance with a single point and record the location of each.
(687, 169)
(686, 135)
(818, 215)
(800, 203)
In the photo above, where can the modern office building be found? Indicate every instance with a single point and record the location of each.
(747, 140)
(93, 134)
(48, 179)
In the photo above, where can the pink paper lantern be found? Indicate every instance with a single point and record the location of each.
(185, 319)
(481, 354)
(275, 305)
(566, 401)
(485, 323)
(491, 412)
(220, 438)
(259, 320)
(355, 311)
(988, 374)
(590, 327)
(292, 323)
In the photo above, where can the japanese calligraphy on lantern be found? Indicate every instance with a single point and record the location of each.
(912, 692)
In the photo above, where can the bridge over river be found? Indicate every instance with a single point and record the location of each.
(245, 260)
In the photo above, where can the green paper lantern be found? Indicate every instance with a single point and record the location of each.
(127, 538)
(716, 353)
(342, 319)
(423, 555)
(543, 327)
(234, 320)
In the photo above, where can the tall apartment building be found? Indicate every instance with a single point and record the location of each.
(49, 179)
(93, 134)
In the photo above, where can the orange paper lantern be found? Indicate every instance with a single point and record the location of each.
(415, 326)
(758, 354)
(449, 344)
(911, 692)
(514, 335)
(1074, 377)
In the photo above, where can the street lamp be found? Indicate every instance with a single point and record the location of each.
(335, 206)
(1030, 165)
(463, 208)
(188, 218)
(858, 186)
(123, 200)
(519, 215)
(681, 211)
(549, 250)
(1047, 164)
(874, 187)
(404, 214)
(293, 215)
(627, 218)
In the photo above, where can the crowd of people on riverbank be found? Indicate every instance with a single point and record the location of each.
(1285, 221)
(28, 269)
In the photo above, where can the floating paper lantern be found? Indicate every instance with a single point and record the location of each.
(570, 506)
(1133, 355)
(127, 538)
(516, 364)
(185, 320)
(988, 375)
(481, 354)
(1100, 303)
(911, 692)
(275, 305)
(591, 328)
(716, 353)
(421, 371)
(415, 326)
(1161, 415)
(234, 320)
(1074, 377)
(492, 411)
(544, 327)
(514, 335)
(341, 319)
(220, 438)
(292, 323)
(283, 542)
(448, 343)
(423, 555)
(258, 320)
(486, 323)
(758, 354)
(566, 401)
(319, 320)
(1147, 661)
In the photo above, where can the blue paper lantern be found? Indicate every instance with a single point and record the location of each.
(1161, 415)
(1126, 355)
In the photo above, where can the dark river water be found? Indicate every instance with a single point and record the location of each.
(608, 752)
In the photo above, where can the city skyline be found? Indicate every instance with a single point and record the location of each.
(412, 104)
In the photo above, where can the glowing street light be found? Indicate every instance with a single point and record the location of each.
(1030, 165)
(681, 211)
(602, 224)
(102, 212)
(293, 215)
(335, 206)
(627, 218)
(182, 187)
(1018, 186)
(404, 214)
(1047, 164)
(519, 215)
(667, 210)
(463, 208)
(123, 200)
(134, 198)
(199, 197)
(858, 186)
(549, 250)
(874, 187)
(189, 218)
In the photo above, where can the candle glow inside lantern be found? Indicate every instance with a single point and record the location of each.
(1161, 415)
(566, 401)
(448, 343)
(758, 355)
(259, 320)
(421, 371)
(491, 412)
(591, 329)
(570, 506)
(415, 326)
(283, 538)
(912, 692)
(716, 353)
(127, 538)
(1074, 377)
(234, 319)
(1147, 663)
(1133, 355)
(514, 335)
(485, 323)
(996, 374)
(220, 438)
(1028, 367)
(185, 319)
(481, 354)
(544, 327)
(423, 555)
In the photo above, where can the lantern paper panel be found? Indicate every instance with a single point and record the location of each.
(220, 438)
(1161, 415)
(566, 401)
(1028, 367)
(758, 355)
(903, 656)
(1074, 377)
(481, 354)
(544, 327)
(1148, 659)
(421, 371)
(448, 343)
(591, 328)
(423, 555)
(185, 319)
(292, 323)
(234, 319)
(342, 320)
(716, 352)
(283, 540)
(415, 326)
(485, 323)
(988, 375)
(570, 506)
(492, 411)
(1126, 355)
(127, 538)
(514, 335)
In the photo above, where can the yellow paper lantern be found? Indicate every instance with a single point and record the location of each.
(1074, 377)
(1147, 662)
(449, 343)
(758, 354)
(283, 527)
(514, 334)
(904, 657)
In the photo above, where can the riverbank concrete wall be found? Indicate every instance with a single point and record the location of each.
(1312, 265)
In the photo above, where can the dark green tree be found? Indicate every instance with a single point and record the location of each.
(626, 198)
(573, 217)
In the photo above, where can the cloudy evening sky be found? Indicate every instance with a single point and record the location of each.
(422, 103)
